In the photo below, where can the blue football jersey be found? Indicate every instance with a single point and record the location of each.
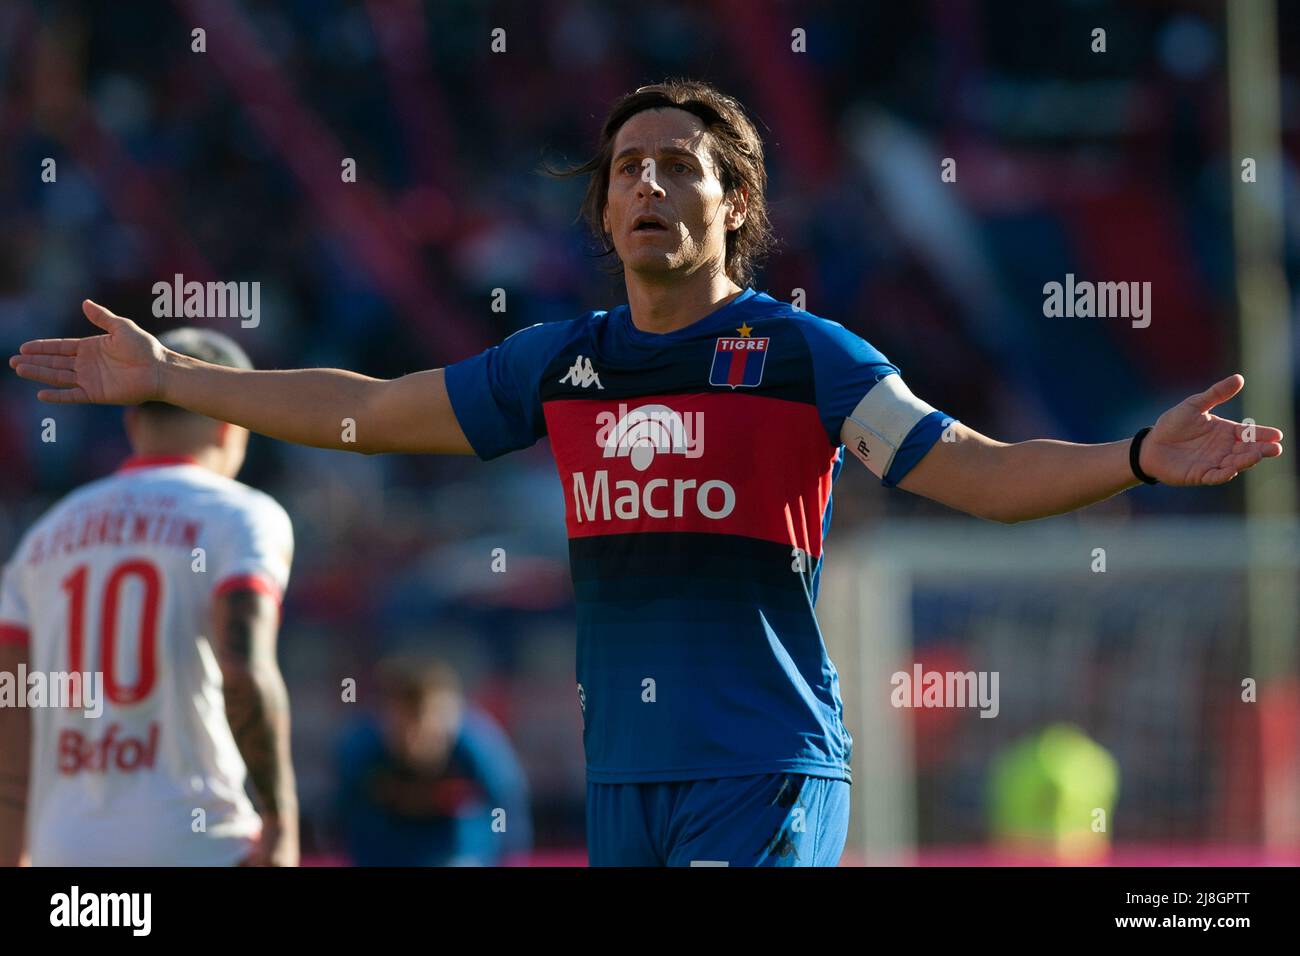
(697, 469)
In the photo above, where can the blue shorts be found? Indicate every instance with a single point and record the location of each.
(779, 819)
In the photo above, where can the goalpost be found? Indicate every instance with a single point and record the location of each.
(1134, 631)
(1266, 354)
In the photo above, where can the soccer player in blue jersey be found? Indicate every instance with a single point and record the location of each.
(697, 431)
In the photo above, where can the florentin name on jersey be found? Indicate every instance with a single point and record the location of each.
(115, 527)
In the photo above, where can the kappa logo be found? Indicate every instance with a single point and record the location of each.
(582, 374)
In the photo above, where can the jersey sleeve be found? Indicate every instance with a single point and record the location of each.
(15, 625)
(257, 549)
(495, 394)
(865, 405)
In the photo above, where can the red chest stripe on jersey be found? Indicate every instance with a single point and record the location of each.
(713, 462)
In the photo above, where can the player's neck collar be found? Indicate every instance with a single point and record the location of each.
(151, 461)
(655, 338)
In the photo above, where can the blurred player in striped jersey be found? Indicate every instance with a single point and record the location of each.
(165, 578)
(697, 432)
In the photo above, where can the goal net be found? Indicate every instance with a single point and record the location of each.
(1027, 689)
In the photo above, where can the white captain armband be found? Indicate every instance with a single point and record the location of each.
(882, 420)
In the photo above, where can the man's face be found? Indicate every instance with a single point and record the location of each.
(681, 188)
(421, 727)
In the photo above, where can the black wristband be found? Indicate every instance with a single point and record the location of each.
(1135, 449)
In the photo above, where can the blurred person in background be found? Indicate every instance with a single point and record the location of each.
(165, 579)
(430, 780)
(1052, 794)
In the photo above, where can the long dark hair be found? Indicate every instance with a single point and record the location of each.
(737, 153)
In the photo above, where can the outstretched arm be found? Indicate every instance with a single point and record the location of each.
(127, 365)
(1034, 479)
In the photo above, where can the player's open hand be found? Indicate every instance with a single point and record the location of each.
(121, 367)
(1189, 446)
